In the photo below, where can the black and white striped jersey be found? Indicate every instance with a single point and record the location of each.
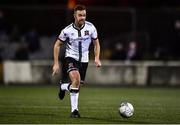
(78, 40)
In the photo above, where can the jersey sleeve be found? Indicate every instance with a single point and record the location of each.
(62, 36)
(94, 34)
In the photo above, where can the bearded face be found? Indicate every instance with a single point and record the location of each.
(80, 17)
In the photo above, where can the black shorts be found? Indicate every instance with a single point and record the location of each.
(72, 64)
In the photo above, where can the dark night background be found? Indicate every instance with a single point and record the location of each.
(153, 25)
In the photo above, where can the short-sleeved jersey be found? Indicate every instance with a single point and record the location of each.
(78, 40)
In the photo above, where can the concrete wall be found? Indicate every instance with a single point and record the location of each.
(111, 73)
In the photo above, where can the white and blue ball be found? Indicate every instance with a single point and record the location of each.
(126, 109)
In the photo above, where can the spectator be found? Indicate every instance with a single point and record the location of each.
(132, 52)
(119, 52)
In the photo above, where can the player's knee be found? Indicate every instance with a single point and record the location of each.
(77, 82)
(75, 79)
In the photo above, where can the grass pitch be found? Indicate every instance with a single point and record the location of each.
(40, 104)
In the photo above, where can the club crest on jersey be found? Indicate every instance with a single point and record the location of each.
(86, 32)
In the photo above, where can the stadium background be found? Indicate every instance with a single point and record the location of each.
(140, 52)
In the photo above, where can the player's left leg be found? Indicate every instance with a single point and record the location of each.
(74, 92)
(80, 77)
(72, 67)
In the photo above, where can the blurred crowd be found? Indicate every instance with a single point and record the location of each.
(30, 45)
(156, 31)
(15, 45)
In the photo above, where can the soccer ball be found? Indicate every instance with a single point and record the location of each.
(126, 109)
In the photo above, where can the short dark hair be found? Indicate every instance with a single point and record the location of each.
(79, 7)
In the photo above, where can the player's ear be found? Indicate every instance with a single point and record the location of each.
(74, 14)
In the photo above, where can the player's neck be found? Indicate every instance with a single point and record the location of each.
(77, 25)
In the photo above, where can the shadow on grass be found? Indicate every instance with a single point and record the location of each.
(117, 121)
(86, 119)
(32, 114)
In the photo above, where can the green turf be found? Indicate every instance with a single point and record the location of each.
(40, 104)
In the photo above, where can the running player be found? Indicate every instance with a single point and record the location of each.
(78, 36)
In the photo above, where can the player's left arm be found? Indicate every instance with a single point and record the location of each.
(97, 52)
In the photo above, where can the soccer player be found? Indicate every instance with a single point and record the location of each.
(78, 36)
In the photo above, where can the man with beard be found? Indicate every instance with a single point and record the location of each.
(78, 36)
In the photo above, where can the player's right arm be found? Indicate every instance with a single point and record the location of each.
(57, 46)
